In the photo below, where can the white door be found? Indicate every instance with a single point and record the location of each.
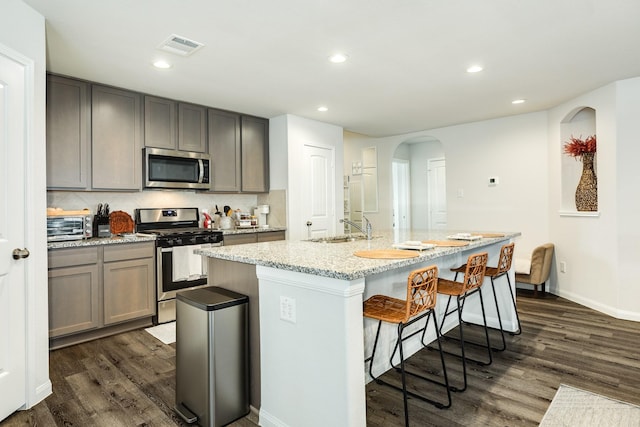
(12, 235)
(401, 195)
(436, 175)
(319, 205)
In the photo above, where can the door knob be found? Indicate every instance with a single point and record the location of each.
(309, 223)
(20, 253)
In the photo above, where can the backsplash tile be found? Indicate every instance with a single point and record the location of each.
(128, 202)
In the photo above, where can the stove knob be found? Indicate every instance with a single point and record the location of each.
(207, 239)
(193, 240)
(178, 241)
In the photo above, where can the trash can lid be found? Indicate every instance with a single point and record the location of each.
(212, 298)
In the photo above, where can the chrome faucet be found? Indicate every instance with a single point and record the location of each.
(368, 228)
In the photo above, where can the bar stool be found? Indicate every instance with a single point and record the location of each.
(473, 278)
(420, 303)
(504, 265)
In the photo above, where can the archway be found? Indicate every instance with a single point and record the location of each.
(419, 194)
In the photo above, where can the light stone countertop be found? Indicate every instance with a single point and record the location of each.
(142, 237)
(98, 241)
(249, 230)
(337, 260)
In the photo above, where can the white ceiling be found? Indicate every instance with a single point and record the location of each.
(407, 58)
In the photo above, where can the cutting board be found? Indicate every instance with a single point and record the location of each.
(446, 243)
(386, 254)
(487, 235)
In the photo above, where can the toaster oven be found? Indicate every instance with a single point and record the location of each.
(68, 225)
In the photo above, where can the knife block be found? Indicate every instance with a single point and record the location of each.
(101, 227)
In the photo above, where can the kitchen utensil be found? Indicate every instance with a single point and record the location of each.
(218, 211)
(99, 211)
(121, 222)
(386, 254)
(226, 222)
(106, 209)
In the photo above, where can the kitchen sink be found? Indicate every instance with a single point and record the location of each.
(338, 239)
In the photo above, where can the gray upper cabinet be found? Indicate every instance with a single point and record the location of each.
(116, 139)
(224, 146)
(255, 154)
(160, 123)
(68, 133)
(192, 128)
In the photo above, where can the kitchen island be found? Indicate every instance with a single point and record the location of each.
(313, 339)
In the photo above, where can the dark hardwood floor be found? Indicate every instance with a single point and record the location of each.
(128, 379)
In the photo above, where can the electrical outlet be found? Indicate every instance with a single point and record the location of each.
(288, 309)
(493, 181)
(563, 266)
(460, 193)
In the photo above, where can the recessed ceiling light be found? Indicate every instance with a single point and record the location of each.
(338, 58)
(518, 101)
(474, 69)
(323, 109)
(161, 64)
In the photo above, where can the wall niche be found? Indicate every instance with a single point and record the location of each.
(580, 123)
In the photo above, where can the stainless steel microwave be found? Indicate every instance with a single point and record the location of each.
(176, 169)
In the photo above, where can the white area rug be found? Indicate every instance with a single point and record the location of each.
(574, 407)
(165, 332)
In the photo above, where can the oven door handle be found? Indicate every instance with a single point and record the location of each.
(166, 249)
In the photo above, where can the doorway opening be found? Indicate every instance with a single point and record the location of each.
(425, 189)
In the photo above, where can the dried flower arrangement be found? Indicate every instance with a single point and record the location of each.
(576, 147)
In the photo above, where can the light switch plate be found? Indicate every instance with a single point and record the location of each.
(288, 309)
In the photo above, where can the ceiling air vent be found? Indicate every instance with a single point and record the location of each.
(180, 45)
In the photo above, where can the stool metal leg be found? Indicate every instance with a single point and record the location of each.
(513, 300)
(495, 299)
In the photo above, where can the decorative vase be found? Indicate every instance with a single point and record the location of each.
(587, 190)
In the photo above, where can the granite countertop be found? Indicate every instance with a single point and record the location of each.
(97, 241)
(250, 230)
(142, 237)
(337, 260)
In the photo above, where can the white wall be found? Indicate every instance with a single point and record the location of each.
(512, 148)
(627, 152)
(23, 30)
(288, 134)
(525, 151)
(602, 252)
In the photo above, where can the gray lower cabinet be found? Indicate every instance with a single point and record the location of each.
(97, 291)
(116, 139)
(68, 133)
(129, 282)
(74, 291)
(244, 238)
(270, 236)
(160, 123)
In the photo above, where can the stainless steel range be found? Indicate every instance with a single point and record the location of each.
(177, 267)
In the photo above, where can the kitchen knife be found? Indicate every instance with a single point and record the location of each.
(106, 209)
(99, 212)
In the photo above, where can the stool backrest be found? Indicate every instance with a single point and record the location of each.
(506, 256)
(422, 287)
(474, 273)
(541, 260)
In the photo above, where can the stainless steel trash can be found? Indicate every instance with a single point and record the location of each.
(212, 356)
